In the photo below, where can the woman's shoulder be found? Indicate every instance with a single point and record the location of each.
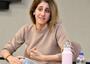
(27, 26)
(58, 24)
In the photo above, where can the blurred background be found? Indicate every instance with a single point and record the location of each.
(74, 14)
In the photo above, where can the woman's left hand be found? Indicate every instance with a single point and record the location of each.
(36, 55)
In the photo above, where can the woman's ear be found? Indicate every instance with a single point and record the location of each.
(33, 13)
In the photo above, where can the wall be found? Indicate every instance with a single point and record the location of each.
(74, 14)
(76, 19)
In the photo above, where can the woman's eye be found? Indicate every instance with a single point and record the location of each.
(47, 10)
(40, 9)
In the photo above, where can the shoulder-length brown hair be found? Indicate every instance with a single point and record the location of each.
(53, 12)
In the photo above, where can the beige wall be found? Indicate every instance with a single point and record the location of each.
(76, 19)
(75, 16)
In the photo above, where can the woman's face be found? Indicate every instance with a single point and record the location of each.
(42, 13)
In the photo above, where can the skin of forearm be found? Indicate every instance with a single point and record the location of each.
(55, 58)
(5, 53)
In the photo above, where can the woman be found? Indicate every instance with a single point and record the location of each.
(44, 37)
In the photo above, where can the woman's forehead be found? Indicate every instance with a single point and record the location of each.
(43, 3)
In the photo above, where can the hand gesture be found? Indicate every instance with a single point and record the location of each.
(13, 60)
(36, 55)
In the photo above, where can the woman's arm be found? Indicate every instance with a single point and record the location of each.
(13, 44)
(36, 55)
(54, 58)
(10, 58)
(5, 53)
(62, 38)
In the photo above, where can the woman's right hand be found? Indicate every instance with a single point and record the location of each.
(14, 60)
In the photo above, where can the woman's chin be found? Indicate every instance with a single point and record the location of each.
(42, 23)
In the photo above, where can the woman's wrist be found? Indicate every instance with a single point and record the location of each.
(7, 56)
(43, 58)
(5, 53)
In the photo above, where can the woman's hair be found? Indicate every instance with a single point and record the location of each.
(53, 12)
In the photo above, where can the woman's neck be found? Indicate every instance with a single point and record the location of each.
(40, 26)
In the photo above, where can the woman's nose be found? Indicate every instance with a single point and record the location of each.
(43, 13)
